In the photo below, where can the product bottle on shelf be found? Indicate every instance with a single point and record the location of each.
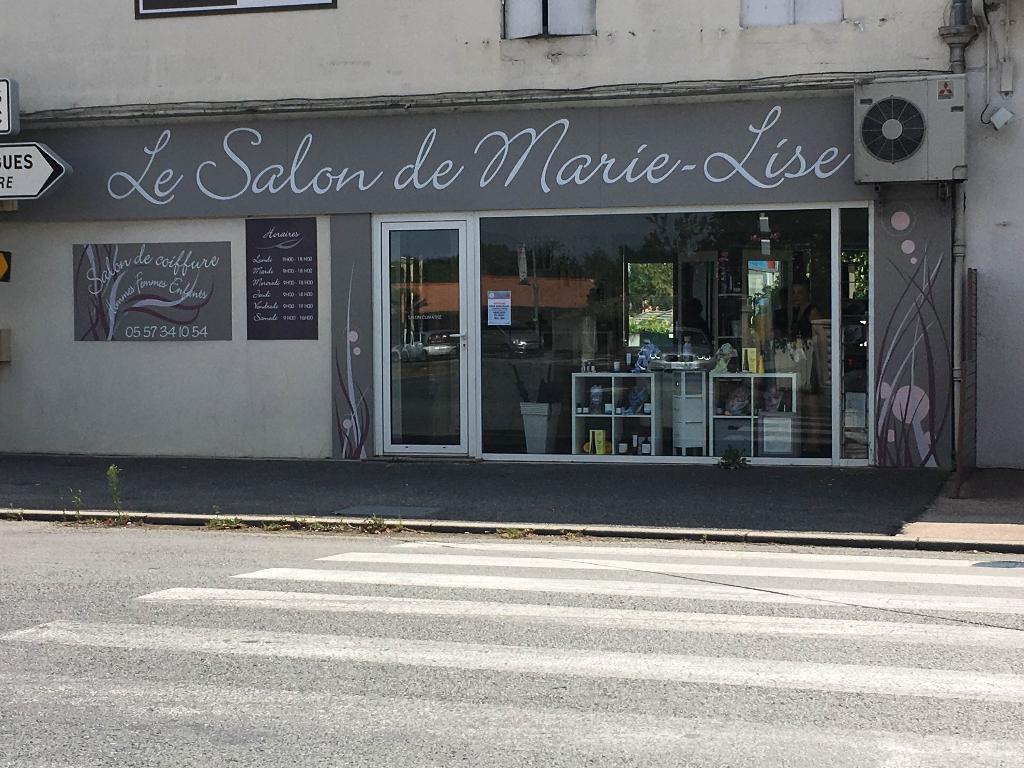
(646, 448)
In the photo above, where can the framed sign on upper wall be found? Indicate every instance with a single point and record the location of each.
(148, 9)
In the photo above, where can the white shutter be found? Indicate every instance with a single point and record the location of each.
(819, 11)
(524, 18)
(766, 13)
(572, 17)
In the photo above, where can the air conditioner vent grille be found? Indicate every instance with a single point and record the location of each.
(893, 130)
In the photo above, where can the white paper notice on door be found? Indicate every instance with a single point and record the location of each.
(499, 308)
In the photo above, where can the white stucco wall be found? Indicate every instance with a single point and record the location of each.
(995, 242)
(72, 54)
(212, 398)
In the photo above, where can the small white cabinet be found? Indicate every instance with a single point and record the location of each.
(601, 401)
(753, 413)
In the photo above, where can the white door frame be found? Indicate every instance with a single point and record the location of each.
(469, 405)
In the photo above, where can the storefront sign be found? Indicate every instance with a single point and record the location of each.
(777, 151)
(152, 291)
(281, 281)
(499, 308)
(145, 9)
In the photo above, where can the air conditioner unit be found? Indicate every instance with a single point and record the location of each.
(910, 129)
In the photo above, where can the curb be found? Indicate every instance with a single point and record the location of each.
(703, 535)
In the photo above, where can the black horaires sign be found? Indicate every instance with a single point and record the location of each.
(281, 282)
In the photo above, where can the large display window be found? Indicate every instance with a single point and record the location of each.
(676, 334)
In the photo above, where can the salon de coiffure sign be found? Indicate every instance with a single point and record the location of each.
(777, 151)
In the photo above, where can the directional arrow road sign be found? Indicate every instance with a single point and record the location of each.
(28, 170)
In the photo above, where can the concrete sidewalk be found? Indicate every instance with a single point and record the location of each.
(990, 508)
(759, 499)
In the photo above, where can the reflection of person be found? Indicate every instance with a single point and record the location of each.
(795, 318)
(693, 320)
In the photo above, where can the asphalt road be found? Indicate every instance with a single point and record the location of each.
(157, 647)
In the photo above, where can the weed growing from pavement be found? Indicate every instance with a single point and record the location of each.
(515, 533)
(733, 459)
(76, 502)
(225, 524)
(114, 484)
(375, 525)
(297, 524)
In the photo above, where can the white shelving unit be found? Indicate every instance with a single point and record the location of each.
(755, 432)
(615, 389)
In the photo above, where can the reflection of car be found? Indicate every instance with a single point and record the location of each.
(441, 343)
(412, 352)
(512, 342)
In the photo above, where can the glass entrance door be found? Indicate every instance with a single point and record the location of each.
(424, 327)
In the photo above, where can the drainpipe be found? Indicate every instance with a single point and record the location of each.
(958, 34)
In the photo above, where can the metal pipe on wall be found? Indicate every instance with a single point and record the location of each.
(959, 275)
(958, 34)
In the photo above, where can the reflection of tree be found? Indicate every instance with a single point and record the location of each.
(857, 263)
(652, 276)
(675, 234)
(651, 286)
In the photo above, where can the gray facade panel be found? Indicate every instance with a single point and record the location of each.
(352, 335)
(913, 281)
(715, 153)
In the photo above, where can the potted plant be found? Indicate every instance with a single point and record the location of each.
(540, 414)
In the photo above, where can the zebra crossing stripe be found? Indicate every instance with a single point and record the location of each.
(726, 671)
(1008, 579)
(646, 589)
(711, 553)
(610, 618)
(594, 737)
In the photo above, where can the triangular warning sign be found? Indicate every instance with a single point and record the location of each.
(946, 91)
(5, 267)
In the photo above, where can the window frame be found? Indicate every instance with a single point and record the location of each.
(473, 318)
(797, 12)
(543, 30)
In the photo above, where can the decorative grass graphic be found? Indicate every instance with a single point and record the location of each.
(915, 353)
(352, 409)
